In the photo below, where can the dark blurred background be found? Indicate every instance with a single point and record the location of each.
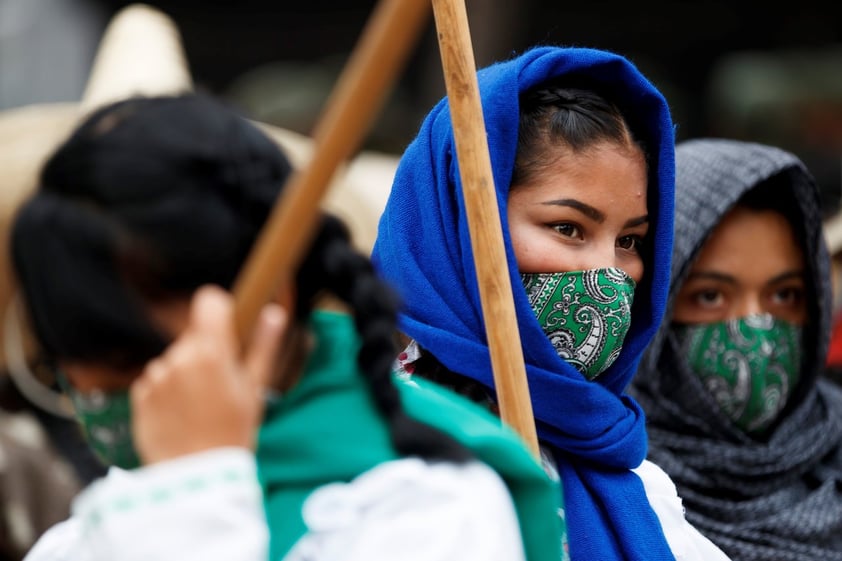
(737, 69)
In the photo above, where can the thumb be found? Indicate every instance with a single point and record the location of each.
(212, 313)
(265, 343)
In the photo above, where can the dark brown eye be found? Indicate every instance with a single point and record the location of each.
(708, 298)
(567, 230)
(788, 296)
(631, 243)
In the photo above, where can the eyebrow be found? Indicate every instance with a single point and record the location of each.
(731, 280)
(712, 276)
(640, 220)
(593, 213)
(786, 276)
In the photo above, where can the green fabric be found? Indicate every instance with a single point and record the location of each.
(750, 365)
(327, 429)
(106, 420)
(586, 314)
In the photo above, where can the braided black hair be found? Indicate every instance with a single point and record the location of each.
(333, 265)
(145, 201)
(151, 198)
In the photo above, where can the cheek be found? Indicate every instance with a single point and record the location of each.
(796, 314)
(686, 309)
(88, 378)
(536, 247)
(635, 270)
(519, 235)
(537, 255)
(526, 244)
(523, 246)
(680, 312)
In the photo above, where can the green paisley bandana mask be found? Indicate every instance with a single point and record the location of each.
(750, 365)
(586, 314)
(107, 422)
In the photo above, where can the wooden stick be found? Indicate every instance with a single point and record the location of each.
(484, 219)
(362, 87)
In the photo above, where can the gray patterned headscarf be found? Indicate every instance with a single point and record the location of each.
(778, 498)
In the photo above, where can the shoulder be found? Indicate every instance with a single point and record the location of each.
(206, 505)
(59, 543)
(477, 428)
(440, 406)
(685, 541)
(407, 480)
(412, 510)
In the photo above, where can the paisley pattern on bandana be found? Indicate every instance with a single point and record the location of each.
(750, 365)
(586, 314)
(106, 420)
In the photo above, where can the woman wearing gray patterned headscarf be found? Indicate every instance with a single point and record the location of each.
(737, 411)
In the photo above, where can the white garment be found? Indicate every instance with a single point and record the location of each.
(409, 510)
(685, 541)
(209, 507)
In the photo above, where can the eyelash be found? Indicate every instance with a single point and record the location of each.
(558, 228)
(637, 243)
(572, 230)
(790, 293)
(700, 297)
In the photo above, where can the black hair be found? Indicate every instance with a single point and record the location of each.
(571, 113)
(774, 193)
(333, 265)
(151, 198)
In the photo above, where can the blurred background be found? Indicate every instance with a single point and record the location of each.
(729, 68)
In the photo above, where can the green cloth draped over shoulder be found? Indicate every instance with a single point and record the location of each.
(327, 429)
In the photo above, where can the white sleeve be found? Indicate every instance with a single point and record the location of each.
(203, 507)
(412, 511)
(62, 542)
(685, 541)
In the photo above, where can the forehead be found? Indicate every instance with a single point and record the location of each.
(606, 176)
(750, 242)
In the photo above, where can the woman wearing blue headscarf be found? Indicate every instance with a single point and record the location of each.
(581, 146)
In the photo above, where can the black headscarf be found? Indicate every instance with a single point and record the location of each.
(778, 497)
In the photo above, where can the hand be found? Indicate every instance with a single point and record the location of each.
(202, 393)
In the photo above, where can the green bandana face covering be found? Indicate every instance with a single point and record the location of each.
(750, 365)
(586, 314)
(107, 422)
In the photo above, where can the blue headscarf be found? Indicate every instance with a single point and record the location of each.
(595, 432)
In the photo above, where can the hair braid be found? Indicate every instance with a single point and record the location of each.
(334, 266)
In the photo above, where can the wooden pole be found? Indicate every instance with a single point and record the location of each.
(484, 219)
(362, 87)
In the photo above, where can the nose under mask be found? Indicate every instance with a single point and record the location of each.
(750, 365)
(585, 314)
